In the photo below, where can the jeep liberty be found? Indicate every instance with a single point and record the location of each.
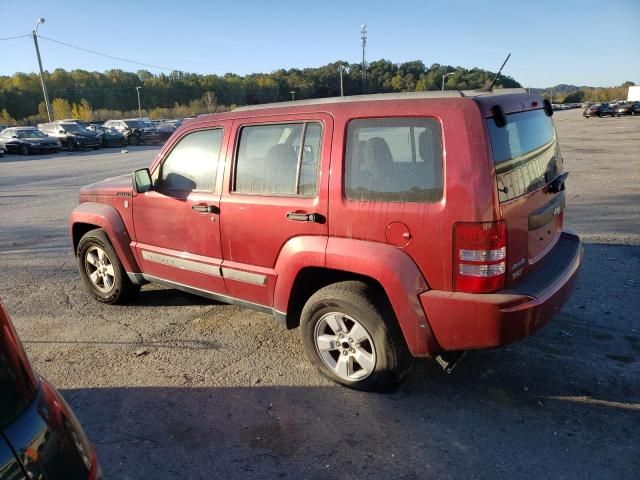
(385, 226)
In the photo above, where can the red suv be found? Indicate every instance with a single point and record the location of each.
(386, 226)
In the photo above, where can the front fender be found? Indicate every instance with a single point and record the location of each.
(108, 218)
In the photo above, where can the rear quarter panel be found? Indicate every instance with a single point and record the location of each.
(468, 195)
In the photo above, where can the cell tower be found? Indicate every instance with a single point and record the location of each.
(363, 37)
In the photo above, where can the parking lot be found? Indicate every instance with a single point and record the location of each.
(175, 386)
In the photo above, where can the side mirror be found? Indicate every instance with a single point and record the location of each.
(142, 181)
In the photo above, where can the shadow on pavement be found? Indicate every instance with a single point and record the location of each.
(475, 424)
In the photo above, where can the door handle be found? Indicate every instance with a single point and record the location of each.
(305, 217)
(205, 208)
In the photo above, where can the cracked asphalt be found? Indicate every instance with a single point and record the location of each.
(175, 386)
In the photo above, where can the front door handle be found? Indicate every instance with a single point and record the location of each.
(202, 208)
(305, 217)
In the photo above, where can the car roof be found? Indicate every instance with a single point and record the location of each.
(509, 97)
(384, 96)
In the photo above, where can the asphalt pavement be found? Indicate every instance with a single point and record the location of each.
(176, 386)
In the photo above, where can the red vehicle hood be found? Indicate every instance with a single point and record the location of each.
(110, 186)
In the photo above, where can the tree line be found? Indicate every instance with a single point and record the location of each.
(574, 94)
(114, 91)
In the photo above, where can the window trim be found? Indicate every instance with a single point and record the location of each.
(345, 145)
(304, 123)
(158, 168)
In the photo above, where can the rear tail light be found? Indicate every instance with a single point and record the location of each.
(480, 256)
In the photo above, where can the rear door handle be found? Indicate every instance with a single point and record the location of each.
(305, 217)
(202, 208)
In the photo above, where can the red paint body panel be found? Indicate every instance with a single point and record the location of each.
(106, 216)
(406, 247)
(400, 278)
(463, 321)
(469, 191)
(298, 253)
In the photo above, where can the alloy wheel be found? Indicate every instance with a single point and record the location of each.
(345, 346)
(99, 269)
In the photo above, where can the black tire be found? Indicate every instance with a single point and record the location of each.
(368, 306)
(24, 150)
(134, 139)
(71, 145)
(121, 287)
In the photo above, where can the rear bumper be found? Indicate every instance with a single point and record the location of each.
(463, 321)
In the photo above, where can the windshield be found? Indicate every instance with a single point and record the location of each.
(137, 124)
(72, 127)
(30, 134)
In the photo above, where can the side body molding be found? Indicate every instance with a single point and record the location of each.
(107, 217)
(401, 280)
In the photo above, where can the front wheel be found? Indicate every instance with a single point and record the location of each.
(101, 270)
(24, 150)
(71, 145)
(353, 338)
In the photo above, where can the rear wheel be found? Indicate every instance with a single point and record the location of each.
(101, 270)
(353, 338)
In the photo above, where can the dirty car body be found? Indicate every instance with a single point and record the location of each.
(428, 224)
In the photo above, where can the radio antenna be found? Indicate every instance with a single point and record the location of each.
(498, 74)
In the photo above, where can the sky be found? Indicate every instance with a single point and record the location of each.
(586, 42)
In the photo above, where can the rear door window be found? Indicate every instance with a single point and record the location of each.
(394, 160)
(278, 159)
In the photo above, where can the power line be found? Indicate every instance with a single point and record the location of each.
(107, 55)
(17, 36)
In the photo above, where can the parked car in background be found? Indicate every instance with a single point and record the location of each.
(3, 126)
(370, 261)
(165, 129)
(40, 437)
(136, 131)
(110, 136)
(598, 110)
(72, 135)
(628, 108)
(27, 140)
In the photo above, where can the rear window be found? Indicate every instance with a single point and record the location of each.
(525, 152)
(17, 385)
(394, 160)
(524, 133)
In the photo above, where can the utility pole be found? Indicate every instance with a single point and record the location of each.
(445, 76)
(342, 68)
(139, 105)
(44, 85)
(363, 37)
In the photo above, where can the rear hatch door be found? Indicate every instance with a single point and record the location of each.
(530, 182)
